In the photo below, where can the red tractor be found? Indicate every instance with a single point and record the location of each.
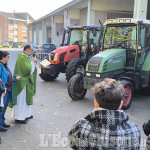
(80, 43)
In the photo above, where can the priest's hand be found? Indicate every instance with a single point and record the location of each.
(4, 93)
(34, 59)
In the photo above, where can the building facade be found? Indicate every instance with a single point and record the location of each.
(13, 27)
(50, 27)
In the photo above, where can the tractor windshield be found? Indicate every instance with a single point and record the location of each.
(78, 36)
(120, 37)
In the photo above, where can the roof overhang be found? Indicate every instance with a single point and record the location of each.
(9, 18)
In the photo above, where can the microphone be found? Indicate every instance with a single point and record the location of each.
(34, 56)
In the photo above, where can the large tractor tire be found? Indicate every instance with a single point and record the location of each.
(75, 66)
(51, 76)
(129, 91)
(75, 87)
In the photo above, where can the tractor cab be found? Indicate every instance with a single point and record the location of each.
(131, 35)
(86, 38)
(79, 44)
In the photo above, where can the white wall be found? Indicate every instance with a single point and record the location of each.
(83, 15)
(100, 16)
(40, 36)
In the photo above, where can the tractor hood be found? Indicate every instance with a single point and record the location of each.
(107, 61)
(65, 48)
(64, 54)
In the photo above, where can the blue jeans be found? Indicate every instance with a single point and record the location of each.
(2, 114)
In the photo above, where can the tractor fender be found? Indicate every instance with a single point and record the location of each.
(75, 66)
(128, 79)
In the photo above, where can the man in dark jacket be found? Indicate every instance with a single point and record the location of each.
(146, 128)
(107, 127)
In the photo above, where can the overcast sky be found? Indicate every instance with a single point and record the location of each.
(36, 8)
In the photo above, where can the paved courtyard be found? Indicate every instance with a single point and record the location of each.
(54, 113)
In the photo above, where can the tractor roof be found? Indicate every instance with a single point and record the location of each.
(126, 21)
(85, 27)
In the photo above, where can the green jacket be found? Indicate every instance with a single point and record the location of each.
(23, 68)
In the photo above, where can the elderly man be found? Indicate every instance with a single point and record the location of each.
(25, 89)
(107, 127)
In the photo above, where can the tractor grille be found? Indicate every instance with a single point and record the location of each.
(94, 63)
(52, 56)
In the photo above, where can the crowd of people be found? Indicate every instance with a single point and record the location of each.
(107, 127)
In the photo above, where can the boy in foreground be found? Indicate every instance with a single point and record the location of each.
(107, 127)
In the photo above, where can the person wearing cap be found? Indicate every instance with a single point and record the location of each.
(107, 126)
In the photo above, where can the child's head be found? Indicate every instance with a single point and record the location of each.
(109, 94)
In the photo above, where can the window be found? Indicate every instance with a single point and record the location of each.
(15, 22)
(78, 36)
(24, 29)
(145, 38)
(11, 28)
(24, 36)
(24, 23)
(120, 37)
(11, 22)
(11, 36)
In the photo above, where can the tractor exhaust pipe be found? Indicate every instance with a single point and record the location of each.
(100, 36)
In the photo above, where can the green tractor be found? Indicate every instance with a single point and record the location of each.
(124, 56)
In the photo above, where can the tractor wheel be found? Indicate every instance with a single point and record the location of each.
(75, 87)
(49, 77)
(128, 94)
(74, 66)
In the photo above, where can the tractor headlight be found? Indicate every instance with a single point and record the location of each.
(98, 75)
(88, 74)
(55, 57)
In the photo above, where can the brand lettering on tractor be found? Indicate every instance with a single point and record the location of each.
(117, 61)
(116, 57)
(96, 65)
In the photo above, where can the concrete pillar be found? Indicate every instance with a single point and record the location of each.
(37, 34)
(43, 32)
(90, 14)
(32, 35)
(140, 9)
(6, 29)
(66, 19)
(28, 35)
(0, 36)
(53, 31)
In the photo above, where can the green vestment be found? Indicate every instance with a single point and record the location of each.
(23, 68)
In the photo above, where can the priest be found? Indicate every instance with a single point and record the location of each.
(25, 89)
